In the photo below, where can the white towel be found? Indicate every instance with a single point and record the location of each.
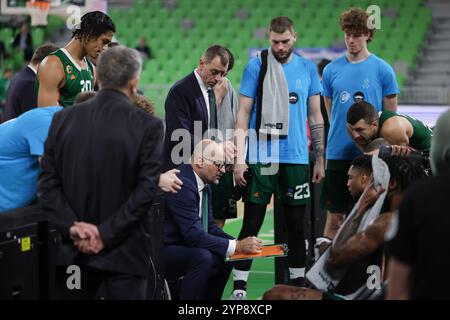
(275, 101)
(325, 278)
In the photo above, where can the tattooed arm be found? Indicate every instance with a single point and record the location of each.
(316, 126)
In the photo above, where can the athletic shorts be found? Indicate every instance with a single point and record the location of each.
(290, 180)
(335, 196)
(224, 206)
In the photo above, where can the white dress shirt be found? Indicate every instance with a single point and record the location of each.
(201, 185)
(31, 67)
(204, 89)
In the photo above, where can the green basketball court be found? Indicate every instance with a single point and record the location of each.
(262, 274)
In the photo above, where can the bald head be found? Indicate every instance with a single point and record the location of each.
(208, 161)
(207, 149)
(440, 145)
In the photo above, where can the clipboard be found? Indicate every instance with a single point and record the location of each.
(273, 250)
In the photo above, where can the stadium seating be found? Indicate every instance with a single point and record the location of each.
(40, 35)
(177, 35)
(241, 25)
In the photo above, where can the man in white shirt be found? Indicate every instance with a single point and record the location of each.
(191, 107)
(195, 248)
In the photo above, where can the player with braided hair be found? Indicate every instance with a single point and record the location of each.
(67, 71)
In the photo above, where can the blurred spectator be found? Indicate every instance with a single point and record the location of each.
(170, 4)
(24, 41)
(4, 83)
(186, 24)
(21, 95)
(2, 50)
(144, 49)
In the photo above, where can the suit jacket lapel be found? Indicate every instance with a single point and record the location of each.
(200, 101)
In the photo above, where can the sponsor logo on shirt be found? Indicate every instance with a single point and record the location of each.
(344, 96)
(358, 96)
(290, 192)
(366, 83)
(277, 125)
(69, 69)
(293, 98)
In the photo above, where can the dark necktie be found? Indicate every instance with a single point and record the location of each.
(212, 109)
(204, 209)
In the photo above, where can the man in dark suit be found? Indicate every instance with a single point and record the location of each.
(22, 95)
(195, 247)
(188, 106)
(24, 41)
(100, 173)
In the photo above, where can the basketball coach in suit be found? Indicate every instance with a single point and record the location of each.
(100, 173)
(192, 102)
(22, 96)
(195, 247)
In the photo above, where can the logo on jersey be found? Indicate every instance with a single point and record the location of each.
(290, 192)
(69, 69)
(277, 125)
(293, 98)
(358, 96)
(344, 97)
(366, 83)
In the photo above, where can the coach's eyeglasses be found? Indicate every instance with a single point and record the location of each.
(219, 165)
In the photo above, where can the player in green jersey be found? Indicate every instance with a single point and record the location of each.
(67, 71)
(364, 124)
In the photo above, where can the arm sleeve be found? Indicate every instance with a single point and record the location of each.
(50, 192)
(178, 115)
(182, 208)
(212, 227)
(36, 133)
(116, 226)
(249, 82)
(326, 83)
(27, 101)
(389, 81)
(316, 87)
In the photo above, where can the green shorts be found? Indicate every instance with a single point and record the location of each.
(224, 206)
(290, 180)
(335, 196)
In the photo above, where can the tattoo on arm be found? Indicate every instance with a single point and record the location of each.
(360, 244)
(350, 228)
(317, 140)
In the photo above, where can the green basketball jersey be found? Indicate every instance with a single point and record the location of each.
(422, 134)
(76, 79)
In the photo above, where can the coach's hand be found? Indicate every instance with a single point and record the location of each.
(169, 182)
(249, 245)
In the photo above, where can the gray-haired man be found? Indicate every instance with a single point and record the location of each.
(100, 173)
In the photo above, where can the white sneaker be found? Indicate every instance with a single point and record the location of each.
(239, 295)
